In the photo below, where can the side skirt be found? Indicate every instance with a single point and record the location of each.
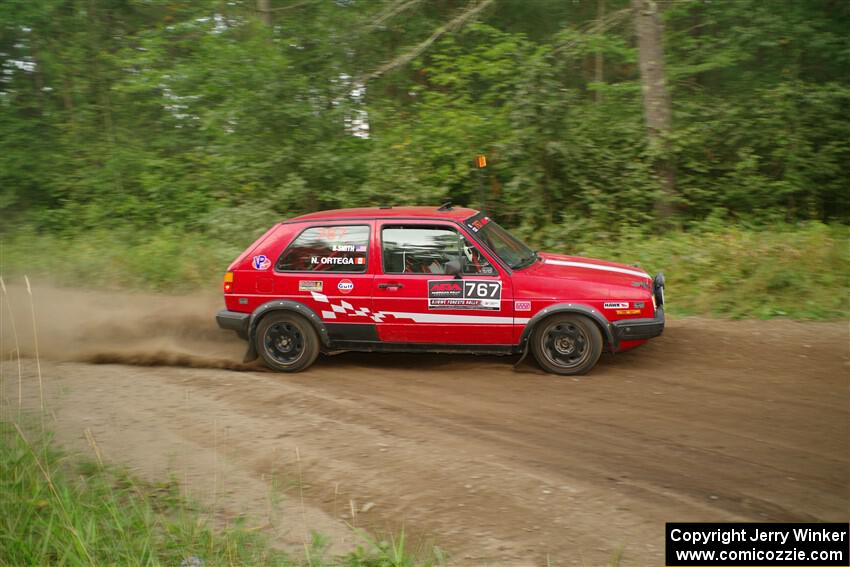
(378, 346)
(364, 338)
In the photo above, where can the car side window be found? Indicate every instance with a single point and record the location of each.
(417, 249)
(327, 249)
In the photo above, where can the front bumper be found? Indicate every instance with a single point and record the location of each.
(639, 329)
(234, 321)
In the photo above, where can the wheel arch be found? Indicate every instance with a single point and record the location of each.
(283, 305)
(562, 308)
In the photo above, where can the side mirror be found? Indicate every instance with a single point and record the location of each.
(454, 268)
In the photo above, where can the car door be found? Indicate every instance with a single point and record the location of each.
(415, 301)
(327, 268)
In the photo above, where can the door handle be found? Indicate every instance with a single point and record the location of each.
(389, 285)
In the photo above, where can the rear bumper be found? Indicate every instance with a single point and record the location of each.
(233, 321)
(639, 329)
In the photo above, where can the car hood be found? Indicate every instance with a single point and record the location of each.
(587, 269)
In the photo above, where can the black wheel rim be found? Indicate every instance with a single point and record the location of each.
(565, 345)
(284, 342)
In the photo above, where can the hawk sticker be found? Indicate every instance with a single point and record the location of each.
(465, 294)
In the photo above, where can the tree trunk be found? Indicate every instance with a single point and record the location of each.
(599, 75)
(264, 7)
(102, 86)
(656, 97)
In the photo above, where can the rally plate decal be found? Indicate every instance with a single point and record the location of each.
(465, 294)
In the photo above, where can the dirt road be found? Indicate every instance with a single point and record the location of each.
(714, 421)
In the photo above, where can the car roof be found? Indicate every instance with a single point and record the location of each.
(454, 213)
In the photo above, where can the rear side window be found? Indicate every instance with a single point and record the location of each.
(327, 249)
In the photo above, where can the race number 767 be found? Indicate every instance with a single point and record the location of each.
(482, 290)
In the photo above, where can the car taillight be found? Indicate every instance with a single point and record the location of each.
(228, 282)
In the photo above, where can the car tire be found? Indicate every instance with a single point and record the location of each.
(567, 344)
(286, 342)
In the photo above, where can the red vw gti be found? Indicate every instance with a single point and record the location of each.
(426, 279)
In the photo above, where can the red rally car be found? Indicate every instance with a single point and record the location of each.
(414, 279)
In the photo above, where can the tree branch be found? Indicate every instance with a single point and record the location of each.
(600, 25)
(284, 8)
(411, 54)
(395, 10)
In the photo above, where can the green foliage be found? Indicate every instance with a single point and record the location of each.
(136, 114)
(391, 552)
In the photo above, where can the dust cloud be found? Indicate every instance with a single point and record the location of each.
(107, 327)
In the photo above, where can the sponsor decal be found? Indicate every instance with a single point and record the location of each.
(522, 305)
(345, 286)
(309, 285)
(464, 294)
(334, 260)
(638, 304)
(346, 310)
(261, 262)
(332, 233)
(627, 311)
(451, 288)
(616, 305)
(477, 225)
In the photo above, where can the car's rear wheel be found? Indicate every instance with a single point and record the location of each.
(287, 342)
(567, 344)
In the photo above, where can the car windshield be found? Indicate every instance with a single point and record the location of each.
(504, 244)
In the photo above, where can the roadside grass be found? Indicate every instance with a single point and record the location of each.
(58, 510)
(156, 260)
(714, 268)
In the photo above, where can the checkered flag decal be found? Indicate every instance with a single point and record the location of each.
(345, 308)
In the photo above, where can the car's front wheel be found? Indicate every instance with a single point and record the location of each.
(287, 342)
(567, 344)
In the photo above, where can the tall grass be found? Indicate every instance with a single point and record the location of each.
(37, 357)
(56, 510)
(800, 271)
(160, 260)
(17, 350)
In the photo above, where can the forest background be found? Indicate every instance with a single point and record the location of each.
(145, 143)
